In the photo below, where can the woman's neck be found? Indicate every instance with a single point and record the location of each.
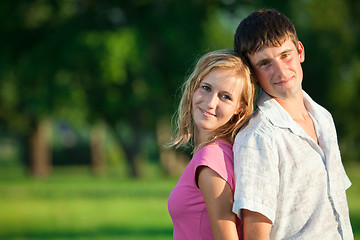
(201, 137)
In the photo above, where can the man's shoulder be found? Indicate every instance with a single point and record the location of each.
(258, 127)
(259, 123)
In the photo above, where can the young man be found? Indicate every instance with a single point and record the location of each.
(290, 181)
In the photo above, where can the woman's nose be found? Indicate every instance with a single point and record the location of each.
(212, 101)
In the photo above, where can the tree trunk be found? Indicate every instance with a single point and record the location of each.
(172, 162)
(40, 149)
(131, 150)
(131, 145)
(98, 151)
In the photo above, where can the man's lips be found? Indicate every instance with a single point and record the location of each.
(282, 82)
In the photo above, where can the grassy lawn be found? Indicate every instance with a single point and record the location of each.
(353, 195)
(80, 206)
(84, 207)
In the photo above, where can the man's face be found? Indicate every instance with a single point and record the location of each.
(278, 69)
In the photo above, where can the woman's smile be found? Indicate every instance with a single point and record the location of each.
(206, 113)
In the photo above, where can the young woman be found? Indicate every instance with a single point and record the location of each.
(217, 100)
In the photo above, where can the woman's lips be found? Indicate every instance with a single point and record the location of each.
(206, 113)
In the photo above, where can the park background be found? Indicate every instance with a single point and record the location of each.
(88, 90)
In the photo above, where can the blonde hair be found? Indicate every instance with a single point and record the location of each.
(223, 59)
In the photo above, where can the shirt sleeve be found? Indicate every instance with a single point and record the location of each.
(336, 168)
(219, 158)
(256, 175)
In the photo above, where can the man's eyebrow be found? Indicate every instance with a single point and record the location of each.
(264, 60)
(287, 51)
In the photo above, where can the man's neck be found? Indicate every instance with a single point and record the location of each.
(295, 106)
(298, 112)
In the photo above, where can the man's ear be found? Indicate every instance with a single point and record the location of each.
(301, 52)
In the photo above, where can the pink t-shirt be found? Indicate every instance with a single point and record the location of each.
(186, 204)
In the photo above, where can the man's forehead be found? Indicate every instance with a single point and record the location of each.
(286, 45)
(270, 44)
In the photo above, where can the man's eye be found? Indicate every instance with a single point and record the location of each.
(264, 64)
(285, 55)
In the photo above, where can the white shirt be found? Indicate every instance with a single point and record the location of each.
(282, 173)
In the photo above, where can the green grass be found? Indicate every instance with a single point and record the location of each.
(80, 206)
(84, 207)
(353, 195)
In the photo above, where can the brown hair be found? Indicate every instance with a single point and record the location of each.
(265, 27)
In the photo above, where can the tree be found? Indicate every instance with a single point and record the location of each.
(88, 61)
(122, 63)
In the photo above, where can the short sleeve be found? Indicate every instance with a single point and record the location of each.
(256, 175)
(217, 156)
(337, 171)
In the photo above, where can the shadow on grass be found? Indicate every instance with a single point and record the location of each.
(121, 233)
(106, 233)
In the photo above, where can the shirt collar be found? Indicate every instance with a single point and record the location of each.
(279, 117)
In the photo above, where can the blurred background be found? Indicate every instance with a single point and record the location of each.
(88, 90)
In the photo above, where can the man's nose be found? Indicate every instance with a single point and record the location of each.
(280, 68)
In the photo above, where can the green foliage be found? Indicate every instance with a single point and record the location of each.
(122, 62)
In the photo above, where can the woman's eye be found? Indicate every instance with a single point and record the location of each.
(206, 88)
(225, 97)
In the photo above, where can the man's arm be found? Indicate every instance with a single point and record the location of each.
(256, 225)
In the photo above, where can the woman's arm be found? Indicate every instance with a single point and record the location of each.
(256, 225)
(219, 199)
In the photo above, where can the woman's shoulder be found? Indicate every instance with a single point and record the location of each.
(218, 145)
(219, 148)
(219, 157)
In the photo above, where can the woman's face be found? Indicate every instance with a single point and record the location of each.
(216, 100)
